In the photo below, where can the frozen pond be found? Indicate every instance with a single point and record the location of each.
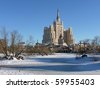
(60, 64)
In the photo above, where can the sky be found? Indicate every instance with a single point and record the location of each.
(29, 17)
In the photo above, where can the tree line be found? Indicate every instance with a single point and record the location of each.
(11, 44)
(89, 45)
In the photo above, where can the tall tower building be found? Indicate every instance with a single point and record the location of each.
(55, 34)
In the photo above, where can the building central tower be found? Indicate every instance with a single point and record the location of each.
(55, 34)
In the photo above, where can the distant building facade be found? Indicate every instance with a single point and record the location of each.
(56, 34)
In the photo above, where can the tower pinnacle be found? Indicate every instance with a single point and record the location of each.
(58, 16)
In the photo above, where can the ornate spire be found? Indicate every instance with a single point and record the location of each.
(58, 16)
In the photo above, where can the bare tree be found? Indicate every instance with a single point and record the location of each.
(29, 45)
(11, 47)
(88, 41)
(15, 40)
(96, 40)
(4, 42)
(96, 43)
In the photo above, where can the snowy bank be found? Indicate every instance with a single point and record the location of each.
(57, 64)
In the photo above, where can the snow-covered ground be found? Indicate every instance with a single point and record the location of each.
(57, 64)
